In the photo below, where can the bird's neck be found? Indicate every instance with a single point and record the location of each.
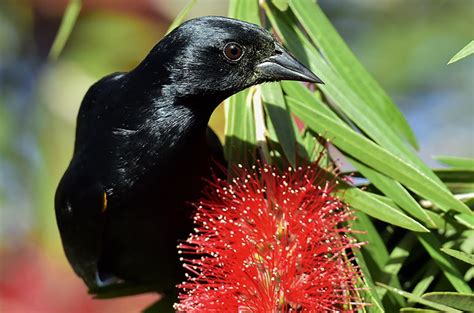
(181, 118)
(177, 123)
(164, 77)
(173, 105)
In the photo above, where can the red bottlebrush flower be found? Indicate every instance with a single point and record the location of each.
(270, 242)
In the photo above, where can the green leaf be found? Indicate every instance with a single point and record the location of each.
(457, 180)
(456, 300)
(312, 148)
(341, 58)
(366, 119)
(245, 10)
(420, 300)
(456, 162)
(261, 129)
(460, 255)
(372, 295)
(466, 51)
(240, 137)
(431, 270)
(439, 221)
(466, 220)
(455, 175)
(396, 192)
(181, 16)
(368, 152)
(364, 202)
(281, 5)
(433, 246)
(397, 257)
(296, 90)
(309, 142)
(416, 310)
(280, 116)
(376, 246)
(67, 24)
(377, 253)
(343, 96)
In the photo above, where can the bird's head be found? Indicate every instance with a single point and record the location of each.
(220, 56)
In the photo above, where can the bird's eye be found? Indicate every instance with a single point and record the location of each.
(232, 51)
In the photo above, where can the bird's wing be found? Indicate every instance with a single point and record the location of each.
(80, 213)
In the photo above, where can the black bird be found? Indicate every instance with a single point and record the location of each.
(142, 148)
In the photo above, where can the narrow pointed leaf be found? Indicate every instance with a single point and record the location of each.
(280, 116)
(417, 310)
(455, 175)
(461, 301)
(466, 220)
(396, 259)
(245, 10)
(456, 162)
(375, 247)
(348, 67)
(368, 152)
(67, 24)
(313, 148)
(460, 255)
(240, 124)
(349, 102)
(466, 51)
(364, 202)
(371, 290)
(431, 270)
(420, 300)
(282, 5)
(457, 180)
(240, 128)
(396, 192)
(433, 246)
(297, 90)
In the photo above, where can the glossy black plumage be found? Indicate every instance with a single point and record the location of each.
(141, 149)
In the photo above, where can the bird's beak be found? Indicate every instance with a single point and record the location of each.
(283, 66)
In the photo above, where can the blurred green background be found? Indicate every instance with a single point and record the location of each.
(405, 44)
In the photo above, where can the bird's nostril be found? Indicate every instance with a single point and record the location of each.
(278, 52)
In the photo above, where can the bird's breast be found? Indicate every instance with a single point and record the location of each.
(158, 168)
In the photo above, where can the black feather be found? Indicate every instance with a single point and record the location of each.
(141, 139)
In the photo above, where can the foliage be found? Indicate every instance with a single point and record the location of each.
(409, 214)
(67, 24)
(417, 222)
(464, 52)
